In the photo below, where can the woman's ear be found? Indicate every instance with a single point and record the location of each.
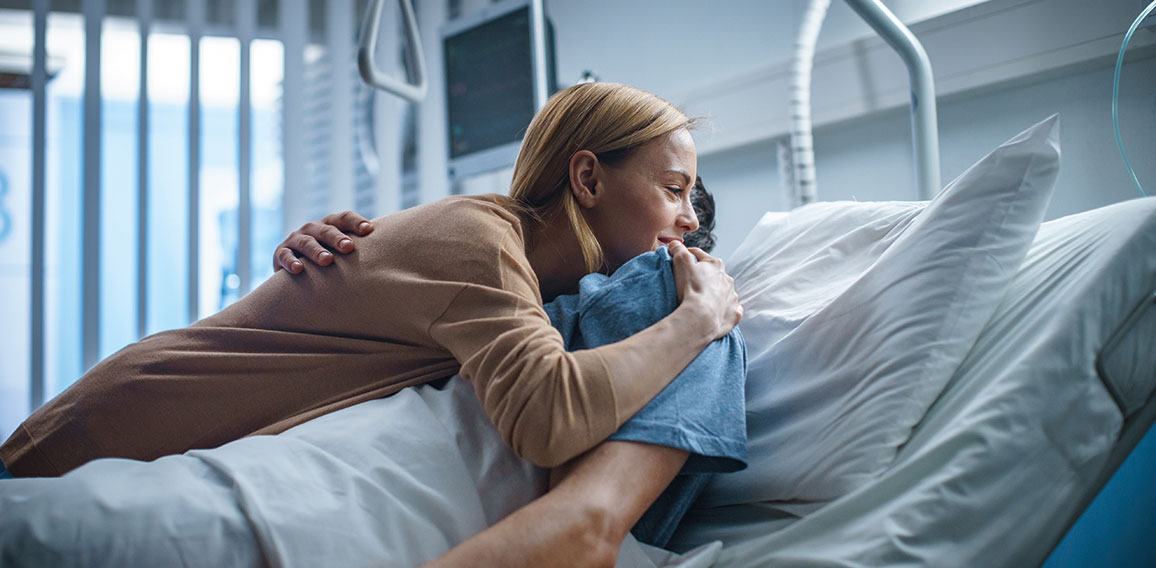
(584, 178)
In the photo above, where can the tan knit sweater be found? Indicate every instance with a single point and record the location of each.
(432, 289)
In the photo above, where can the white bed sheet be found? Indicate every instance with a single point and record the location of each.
(1019, 436)
(390, 482)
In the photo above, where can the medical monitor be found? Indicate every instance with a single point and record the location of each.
(489, 87)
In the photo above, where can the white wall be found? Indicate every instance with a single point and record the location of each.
(675, 47)
(870, 159)
(1092, 172)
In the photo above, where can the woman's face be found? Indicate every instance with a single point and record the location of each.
(644, 201)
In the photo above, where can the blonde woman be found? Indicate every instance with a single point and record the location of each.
(458, 285)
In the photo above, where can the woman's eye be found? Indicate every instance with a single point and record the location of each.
(675, 190)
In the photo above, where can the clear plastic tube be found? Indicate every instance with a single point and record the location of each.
(1116, 96)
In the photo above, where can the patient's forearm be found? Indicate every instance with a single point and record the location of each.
(585, 516)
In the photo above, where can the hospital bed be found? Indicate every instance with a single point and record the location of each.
(931, 383)
(943, 382)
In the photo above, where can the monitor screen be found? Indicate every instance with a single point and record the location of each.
(489, 88)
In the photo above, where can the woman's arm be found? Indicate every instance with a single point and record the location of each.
(549, 404)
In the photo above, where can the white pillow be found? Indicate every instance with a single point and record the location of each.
(857, 315)
(1022, 434)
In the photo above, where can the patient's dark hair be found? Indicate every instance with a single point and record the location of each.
(703, 203)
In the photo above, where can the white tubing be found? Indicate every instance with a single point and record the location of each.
(802, 168)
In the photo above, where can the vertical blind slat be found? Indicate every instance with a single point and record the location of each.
(144, 17)
(195, 17)
(432, 167)
(293, 16)
(246, 16)
(340, 47)
(39, 147)
(388, 133)
(90, 245)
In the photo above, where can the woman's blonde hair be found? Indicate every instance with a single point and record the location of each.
(610, 120)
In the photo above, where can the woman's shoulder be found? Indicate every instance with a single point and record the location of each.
(459, 235)
(468, 212)
(477, 218)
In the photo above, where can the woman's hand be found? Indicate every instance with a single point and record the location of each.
(316, 240)
(706, 289)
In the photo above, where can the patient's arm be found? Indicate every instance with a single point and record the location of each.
(316, 240)
(582, 521)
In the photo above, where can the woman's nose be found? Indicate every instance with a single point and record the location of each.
(687, 220)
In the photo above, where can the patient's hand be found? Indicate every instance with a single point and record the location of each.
(316, 240)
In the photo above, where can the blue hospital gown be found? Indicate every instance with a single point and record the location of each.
(702, 411)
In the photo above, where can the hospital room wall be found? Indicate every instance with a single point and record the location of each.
(871, 159)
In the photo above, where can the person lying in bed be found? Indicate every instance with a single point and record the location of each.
(608, 309)
(453, 286)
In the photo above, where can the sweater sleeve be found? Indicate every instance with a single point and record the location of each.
(548, 404)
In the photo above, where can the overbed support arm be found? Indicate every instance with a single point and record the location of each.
(366, 59)
(924, 123)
